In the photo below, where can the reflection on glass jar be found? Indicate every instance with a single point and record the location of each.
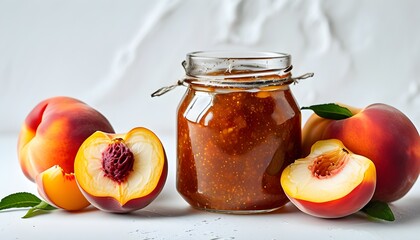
(239, 126)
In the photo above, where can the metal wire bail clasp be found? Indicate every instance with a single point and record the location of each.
(166, 89)
(293, 80)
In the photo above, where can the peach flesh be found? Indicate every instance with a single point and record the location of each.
(340, 207)
(330, 182)
(139, 187)
(60, 189)
(329, 164)
(110, 204)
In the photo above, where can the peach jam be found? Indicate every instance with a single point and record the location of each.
(238, 127)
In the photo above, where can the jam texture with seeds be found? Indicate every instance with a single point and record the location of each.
(233, 146)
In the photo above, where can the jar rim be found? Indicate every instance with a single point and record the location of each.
(235, 64)
(238, 55)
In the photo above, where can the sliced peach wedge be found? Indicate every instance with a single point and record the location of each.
(331, 182)
(121, 172)
(60, 189)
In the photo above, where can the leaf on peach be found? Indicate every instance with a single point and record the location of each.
(330, 111)
(379, 210)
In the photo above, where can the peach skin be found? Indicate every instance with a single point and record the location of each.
(331, 182)
(60, 189)
(121, 172)
(381, 133)
(53, 132)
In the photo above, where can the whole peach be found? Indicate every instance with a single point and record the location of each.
(381, 133)
(53, 132)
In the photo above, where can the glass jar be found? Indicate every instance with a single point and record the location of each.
(238, 127)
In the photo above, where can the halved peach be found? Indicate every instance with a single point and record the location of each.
(121, 172)
(331, 181)
(60, 189)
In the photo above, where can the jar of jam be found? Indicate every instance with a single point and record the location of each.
(238, 127)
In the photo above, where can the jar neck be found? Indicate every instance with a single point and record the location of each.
(236, 65)
(243, 71)
(239, 81)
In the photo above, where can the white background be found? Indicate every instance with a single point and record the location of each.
(114, 54)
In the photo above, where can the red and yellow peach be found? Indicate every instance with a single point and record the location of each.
(381, 133)
(331, 182)
(53, 132)
(121, 172)
(48, 142)
(60, 189)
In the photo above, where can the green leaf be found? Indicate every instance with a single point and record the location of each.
(24, 200)
(19, 200)
(379, 210)
(41, 208)
(330, 111)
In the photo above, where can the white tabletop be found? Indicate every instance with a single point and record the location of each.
(170, 217)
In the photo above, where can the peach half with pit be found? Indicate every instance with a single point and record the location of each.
(121, 172)
(331, 182)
